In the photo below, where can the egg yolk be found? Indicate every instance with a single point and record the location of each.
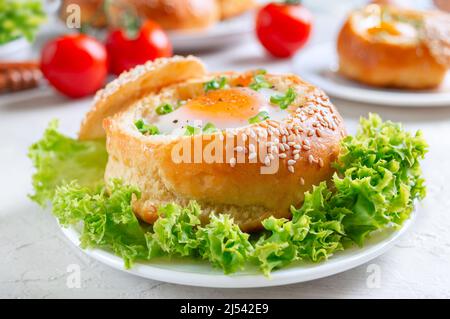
(233, 103)
(387, 27)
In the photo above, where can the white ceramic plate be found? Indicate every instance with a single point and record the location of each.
(318, 65)
(199, 273)
(221, 34)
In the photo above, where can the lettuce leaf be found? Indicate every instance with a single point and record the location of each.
(175, 231)
(379, 176)
(107, 218)
(224, 244)
(59, 159)
(377, 180)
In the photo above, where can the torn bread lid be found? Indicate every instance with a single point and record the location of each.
(437, 36)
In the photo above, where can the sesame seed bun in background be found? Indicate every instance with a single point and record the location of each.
(169, 14)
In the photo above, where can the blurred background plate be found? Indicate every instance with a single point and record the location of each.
(222, 34)
(318, 65)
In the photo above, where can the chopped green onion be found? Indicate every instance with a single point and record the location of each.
(146, 129)
(261, 116)
(165, 108)
(283, 101)
(259, 82)
(215, 84)
(192, 130)
(209, 128)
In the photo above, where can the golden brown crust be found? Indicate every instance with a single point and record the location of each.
(376, 62)
(232, 8)
(170, 14)
(179, 14)
(308, 142)
(134, 84)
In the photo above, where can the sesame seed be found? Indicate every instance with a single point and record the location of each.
(306, 148)
(286, 146)
(281, 146)
(232, 162)
(311, 159)
(297, 156)
(318, 133)
(291, 169)
(291, 162)
(295, 151)
(282, 155)
(267, 161)
(296, 146)
(320, 162)
(252, 156)
(239, 149)
(302, 181)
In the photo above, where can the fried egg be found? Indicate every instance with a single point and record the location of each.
(224, 108)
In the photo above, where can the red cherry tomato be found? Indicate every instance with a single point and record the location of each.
(125, 53)
(75, 65)
(283, 28)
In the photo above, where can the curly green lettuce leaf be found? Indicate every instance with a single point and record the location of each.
(59, 159)
(379, 176)
(175, 231)
(106, 217)
(314, 233)
(377, 181)
(224, 244)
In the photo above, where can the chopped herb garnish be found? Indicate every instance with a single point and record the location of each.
(192, 130)
(146, 129)
(215, 84)
(209, 128)
(165, 108)
(259, 82)
(283, 101)
(261, 116)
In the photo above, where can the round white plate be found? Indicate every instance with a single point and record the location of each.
(221, 34)
(318, 65)
(200, 273)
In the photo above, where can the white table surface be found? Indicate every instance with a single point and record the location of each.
(34, 254)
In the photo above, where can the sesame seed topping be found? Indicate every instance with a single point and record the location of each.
(232, 162)
(252, 156)
(320, 162)
(291, 169)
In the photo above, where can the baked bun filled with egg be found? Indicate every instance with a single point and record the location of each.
(387, 46)
(246, 144)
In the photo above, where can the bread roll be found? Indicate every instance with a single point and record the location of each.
(256, 170)
(387, 47)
